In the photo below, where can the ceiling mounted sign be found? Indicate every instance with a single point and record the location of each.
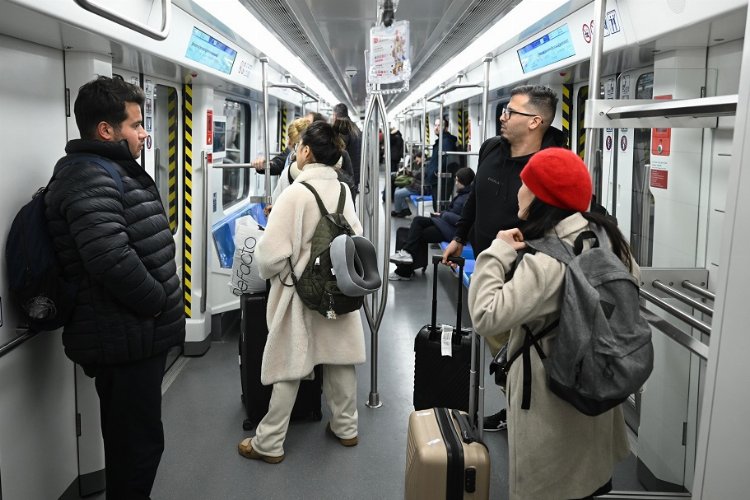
(389, 61)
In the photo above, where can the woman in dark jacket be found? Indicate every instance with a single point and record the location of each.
(352, 137)
(434, 229)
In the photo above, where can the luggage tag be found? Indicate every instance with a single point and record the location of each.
(446, 340)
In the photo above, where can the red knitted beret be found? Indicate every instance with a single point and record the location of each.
(558, 177)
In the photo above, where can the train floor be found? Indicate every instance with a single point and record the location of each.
(203, 416)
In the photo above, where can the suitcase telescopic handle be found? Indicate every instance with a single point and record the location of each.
(436, 259)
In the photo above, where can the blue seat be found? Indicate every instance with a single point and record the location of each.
(223, 232)
(468, 271)
(415, 198)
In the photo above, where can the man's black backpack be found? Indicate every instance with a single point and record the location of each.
(316, 286)
(602, 353)
(35, 278)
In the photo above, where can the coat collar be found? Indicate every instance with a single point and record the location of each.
(570, 226)
(316, 171)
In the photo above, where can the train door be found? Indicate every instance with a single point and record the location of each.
(668, 166)
(162, 154)
(233, 187)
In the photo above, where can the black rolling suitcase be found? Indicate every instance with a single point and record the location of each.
(256, 396)
(443, 381)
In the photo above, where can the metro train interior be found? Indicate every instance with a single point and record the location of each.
(662, 133)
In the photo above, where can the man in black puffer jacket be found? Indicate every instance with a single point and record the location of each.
(115, 242)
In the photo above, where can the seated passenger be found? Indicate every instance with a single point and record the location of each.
(555, 450)
(300, 338)
(434, 229)
(405, 184)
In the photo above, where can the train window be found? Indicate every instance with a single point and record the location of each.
(165, 144)
(236, 181)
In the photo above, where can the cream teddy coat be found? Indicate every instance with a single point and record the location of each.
(300, 338)
(555, 452)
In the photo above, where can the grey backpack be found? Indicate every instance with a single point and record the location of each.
(602, 353)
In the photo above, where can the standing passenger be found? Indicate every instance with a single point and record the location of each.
(525, 128)
(119, 249)
(300, 338)
(450, 142)
(352, 138)
(556, 452)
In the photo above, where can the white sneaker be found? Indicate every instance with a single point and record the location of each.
(402, 257)
(397, 277)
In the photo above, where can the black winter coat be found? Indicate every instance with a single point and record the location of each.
(120, 250)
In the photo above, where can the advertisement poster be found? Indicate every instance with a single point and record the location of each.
(389, 54)
(661, 146)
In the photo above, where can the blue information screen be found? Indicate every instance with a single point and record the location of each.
(548, 49)
(209, 51)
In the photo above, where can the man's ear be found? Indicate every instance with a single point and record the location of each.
(105, 131)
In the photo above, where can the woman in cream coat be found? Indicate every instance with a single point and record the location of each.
(555, 452)
(300, 338)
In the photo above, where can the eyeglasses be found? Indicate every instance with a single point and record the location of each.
(507, 112)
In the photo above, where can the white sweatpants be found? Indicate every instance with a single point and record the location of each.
(340, 391)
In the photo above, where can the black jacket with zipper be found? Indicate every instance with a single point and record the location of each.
(493, 201)
(120, 250)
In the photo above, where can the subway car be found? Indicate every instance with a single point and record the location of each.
(653, 95)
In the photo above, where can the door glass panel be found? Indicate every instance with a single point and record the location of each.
(236, 181)
(642, 211)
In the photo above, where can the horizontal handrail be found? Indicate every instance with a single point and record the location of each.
(722, 105)
(683, 298)
(462, 153)
(143, 29)
(700, 291)
(16, 341)
(454, 87)
(681, 315)
(296, 88)
(691, 344)
(232, 165)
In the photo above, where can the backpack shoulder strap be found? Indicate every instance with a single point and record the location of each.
(98, 160)
(342, 199)
(321, 207)
(554, 247)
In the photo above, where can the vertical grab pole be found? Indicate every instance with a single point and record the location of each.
(374, 305)
(266, 141)
(440, 155)
(592, 138)
(485, 98)
(424, 152)
(204, 239)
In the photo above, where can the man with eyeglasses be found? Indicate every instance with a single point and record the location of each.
(492, 206)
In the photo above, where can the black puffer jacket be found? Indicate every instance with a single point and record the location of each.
(120, 248)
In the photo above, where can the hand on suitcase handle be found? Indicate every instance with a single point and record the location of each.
(458, 260)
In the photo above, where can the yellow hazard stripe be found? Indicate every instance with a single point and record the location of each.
(187, 267)
(583, 94)
(172, 159)
(282, 141)
(567, 106)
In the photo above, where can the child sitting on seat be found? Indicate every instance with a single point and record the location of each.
(434, 229)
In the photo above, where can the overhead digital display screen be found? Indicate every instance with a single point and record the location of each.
(209, 51)
(548, 49)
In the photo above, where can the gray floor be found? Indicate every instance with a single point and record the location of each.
(203, 418)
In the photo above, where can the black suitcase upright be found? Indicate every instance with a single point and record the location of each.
(443, 381)
(256, 396)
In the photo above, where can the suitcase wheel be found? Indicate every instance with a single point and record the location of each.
(247, 424)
